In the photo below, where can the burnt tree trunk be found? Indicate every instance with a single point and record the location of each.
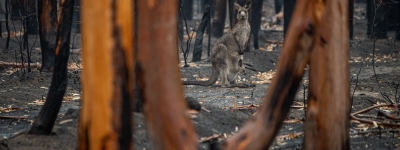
(169, 126)
(218, 22)
(278, 6)
(31, 19)
(377, 19)
(232, 11)
(44, 122)
(8, 10)
(351, 18)
(26, 41)
(256, 13)
(180, 21)
(398, 33)
(106, 120)
(187, 7)
(287, 14)
(76, 24)
(209, 28)
(47, 12)
(198, 45)
(313, 36)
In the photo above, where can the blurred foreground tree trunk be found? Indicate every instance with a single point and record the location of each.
(108, 85)
(47, 12)
(159, 78)
(316, 39)
(44, 122)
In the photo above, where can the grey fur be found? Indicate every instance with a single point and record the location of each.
(227, 54)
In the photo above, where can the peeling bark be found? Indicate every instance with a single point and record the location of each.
(108, 83)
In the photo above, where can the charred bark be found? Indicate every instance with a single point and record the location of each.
(187, 7)
(218, 22)
(31, 17)
(26, 43)
(47, 12)
(198, 45)
(377, 18)
(231, 8)
(287, 14)
(76, 24)
(278, 6)
(180, 22)
(108, 84)
(209, 27)
(351, 18)
(8, 10)
(256, 13)
(44, 122)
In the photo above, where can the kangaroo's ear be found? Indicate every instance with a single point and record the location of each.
(237, 6)
(248, 5)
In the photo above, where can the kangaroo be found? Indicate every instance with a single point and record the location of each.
(227, 54)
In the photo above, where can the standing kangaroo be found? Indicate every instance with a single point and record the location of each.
(227, 53)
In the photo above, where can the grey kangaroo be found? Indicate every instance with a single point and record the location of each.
(227, 54)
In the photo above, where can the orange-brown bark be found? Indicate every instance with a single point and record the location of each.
(307, 37)
(328, 99)
(108, 75)
(159, 76)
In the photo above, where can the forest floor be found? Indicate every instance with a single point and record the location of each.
(22, 94)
